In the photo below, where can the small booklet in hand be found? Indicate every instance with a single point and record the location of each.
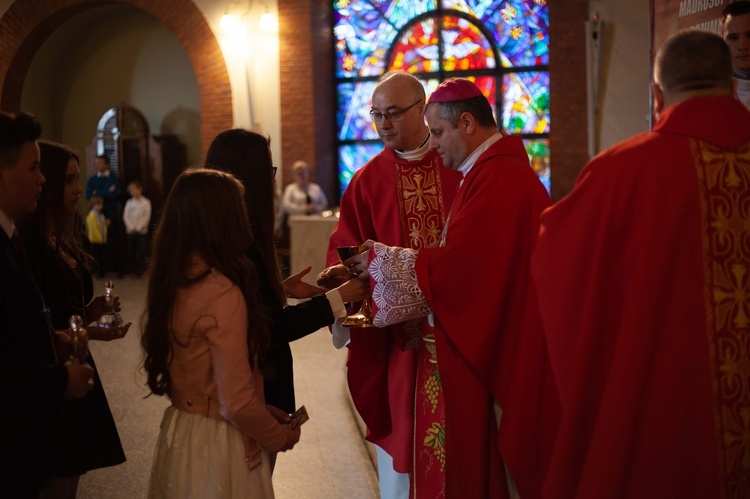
(299, 417)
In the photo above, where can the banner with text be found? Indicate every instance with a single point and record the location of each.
(670, 16)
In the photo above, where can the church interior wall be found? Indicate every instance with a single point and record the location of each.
(624, 105)
(88, 66)
(283, 83)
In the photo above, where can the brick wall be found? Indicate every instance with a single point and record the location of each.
(26, 25)
(569, 129)
(307, 90)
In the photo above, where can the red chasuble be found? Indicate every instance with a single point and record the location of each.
(479, 286)
(401, 203)
(643, 277)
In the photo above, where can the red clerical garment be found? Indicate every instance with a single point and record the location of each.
(478, 284)
(403, 203)
(643, 277)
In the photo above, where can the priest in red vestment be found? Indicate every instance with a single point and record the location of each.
(477, 286)
(400, 196)
(643, 278)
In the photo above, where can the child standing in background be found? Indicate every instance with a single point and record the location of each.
(96, 230)
(137, 216)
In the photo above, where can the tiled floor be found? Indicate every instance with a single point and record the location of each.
(331, 460)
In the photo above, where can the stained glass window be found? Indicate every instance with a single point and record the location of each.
(502, 45)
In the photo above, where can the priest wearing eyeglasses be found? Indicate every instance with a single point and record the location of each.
(401, 196)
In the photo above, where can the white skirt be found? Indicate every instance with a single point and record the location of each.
(200, 457)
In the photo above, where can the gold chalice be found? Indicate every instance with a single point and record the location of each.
(363, 317)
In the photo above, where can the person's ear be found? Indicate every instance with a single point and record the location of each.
(658, 94)
(468, 123)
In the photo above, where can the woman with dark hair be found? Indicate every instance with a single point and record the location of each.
(201, 326)
(246, 155)
(55, 246)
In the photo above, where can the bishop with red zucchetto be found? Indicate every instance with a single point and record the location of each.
(476, 289)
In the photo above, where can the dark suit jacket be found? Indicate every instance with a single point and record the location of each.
(32, 383)
(286, 324)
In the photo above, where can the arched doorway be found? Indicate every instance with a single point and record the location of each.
(24, 27)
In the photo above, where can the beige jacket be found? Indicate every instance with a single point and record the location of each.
(210, 371)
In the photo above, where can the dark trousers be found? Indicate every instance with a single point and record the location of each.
(115, 247)
(137, 253)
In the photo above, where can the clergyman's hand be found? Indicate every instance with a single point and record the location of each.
(358, 264)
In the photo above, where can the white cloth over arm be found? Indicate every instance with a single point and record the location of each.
(395, 291)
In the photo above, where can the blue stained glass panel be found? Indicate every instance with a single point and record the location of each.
(477, 8)
(352, 157)
(526, 102)
(353, 108)
(521, 29)
(362, 39)
(401, 12)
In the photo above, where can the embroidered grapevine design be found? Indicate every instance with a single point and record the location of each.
(432, 389)
(435, 440)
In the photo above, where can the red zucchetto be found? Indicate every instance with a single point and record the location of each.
(455, 89)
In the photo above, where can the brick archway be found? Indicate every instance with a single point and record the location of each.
(26, 25)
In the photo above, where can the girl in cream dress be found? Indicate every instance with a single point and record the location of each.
(203, 336)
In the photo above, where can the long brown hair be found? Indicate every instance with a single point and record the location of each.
(194, 223)
(246, 155)
(51, 222)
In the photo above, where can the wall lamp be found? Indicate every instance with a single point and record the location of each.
(232, 22)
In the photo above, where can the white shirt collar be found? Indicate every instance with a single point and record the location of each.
(7, 224)
(100, 174)
(472, 158)
(415, 154)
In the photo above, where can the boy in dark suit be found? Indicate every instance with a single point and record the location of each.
(33, 382)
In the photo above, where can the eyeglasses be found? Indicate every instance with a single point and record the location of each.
(391, 115)
(273, 171)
